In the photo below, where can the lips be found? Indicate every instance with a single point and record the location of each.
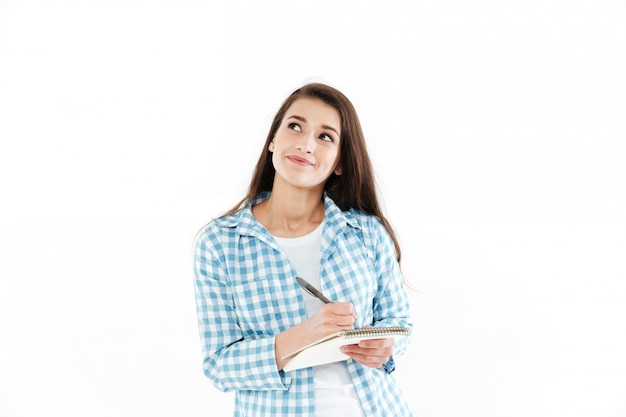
(299, 161)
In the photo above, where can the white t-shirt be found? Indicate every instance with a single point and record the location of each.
(335, 395)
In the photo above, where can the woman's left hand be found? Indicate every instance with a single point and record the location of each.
(373, 353)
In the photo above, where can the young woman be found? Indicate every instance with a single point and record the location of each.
(311, 211)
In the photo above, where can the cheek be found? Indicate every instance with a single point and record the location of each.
(333, 157)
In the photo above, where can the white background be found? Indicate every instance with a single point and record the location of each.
(497, 130)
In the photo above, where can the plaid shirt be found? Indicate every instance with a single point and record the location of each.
(246, 293)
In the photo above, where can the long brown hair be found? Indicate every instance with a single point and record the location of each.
(355, 188)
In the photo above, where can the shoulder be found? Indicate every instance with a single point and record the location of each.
(219, 229)
(369, 223)
(370, 232)
(353, 218)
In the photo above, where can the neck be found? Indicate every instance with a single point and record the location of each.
(290, 213)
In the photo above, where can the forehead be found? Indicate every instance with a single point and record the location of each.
(315, 111)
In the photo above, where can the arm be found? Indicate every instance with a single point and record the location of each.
(232, 359)
(229, 361)
(390, 308)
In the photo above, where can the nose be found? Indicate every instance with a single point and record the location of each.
(307, 143)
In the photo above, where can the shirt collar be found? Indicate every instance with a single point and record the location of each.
(247, 225)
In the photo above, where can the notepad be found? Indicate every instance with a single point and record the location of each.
(327, 349)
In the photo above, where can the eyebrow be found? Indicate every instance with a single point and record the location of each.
(302, 119)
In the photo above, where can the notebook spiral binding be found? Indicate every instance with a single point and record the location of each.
(377, 331)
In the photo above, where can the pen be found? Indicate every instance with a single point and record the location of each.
(312, 290)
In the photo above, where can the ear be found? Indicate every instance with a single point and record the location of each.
(338, 170)
(271, 147)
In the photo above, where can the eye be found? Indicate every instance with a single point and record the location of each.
(294, 126)
(327, 138)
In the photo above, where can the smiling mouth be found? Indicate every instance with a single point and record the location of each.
(299, 161)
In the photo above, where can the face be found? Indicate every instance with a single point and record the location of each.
(305, 148)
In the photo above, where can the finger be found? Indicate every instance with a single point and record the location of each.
(344, 322)
(383, 352)
(340, 308)
(370, 359)
(377, 343)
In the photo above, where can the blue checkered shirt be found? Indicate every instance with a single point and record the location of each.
(246, 293)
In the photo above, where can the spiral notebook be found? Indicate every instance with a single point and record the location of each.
(326, 350)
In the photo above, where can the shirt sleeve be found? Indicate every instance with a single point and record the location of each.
(391, 304)
(229, 361)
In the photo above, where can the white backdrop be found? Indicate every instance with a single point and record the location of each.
(497, 131)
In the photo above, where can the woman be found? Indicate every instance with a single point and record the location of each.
(311, 211)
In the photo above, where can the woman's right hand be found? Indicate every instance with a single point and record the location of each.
(330, 318)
